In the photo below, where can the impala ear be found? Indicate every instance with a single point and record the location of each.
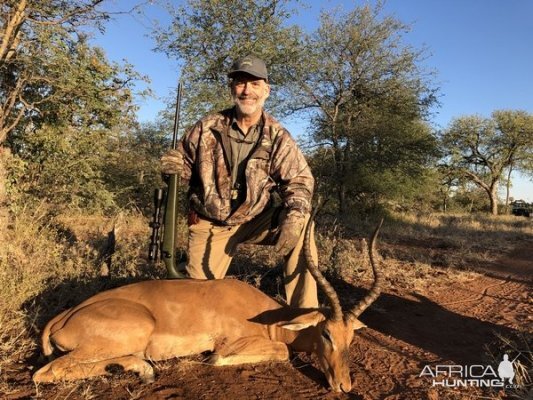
(303, 321)
(357, 324)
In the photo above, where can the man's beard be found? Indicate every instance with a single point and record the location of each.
(249, 109)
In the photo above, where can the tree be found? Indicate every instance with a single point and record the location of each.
(368, 96)
(517, 129)
(60, 100)
(24, 80)
(482, 149)
(132, 170)
(345, 75)
(66, 143)
(27, 28)
(206, 36)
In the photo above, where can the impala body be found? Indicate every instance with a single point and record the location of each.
(161, 319)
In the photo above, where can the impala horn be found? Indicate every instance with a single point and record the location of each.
(322, 283)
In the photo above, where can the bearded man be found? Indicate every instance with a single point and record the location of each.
(248, 182)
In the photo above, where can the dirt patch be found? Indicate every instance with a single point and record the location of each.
(463, 321)
(516, 264)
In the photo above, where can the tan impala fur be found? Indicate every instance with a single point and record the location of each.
(161, 319)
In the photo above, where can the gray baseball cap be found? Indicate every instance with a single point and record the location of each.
(251, 65)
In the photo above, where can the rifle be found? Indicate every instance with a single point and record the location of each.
(170, 199)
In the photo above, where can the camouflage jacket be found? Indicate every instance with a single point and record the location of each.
(275, 163)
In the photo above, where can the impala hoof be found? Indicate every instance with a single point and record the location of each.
(214, 359)
(43, 375)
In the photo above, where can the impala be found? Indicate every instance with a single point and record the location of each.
(161, 319)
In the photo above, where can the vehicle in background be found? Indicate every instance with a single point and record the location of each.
(520, 207)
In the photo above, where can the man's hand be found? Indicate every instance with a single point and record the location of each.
(172, 162)
(290, 231)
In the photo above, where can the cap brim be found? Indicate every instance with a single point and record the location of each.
(241, 71)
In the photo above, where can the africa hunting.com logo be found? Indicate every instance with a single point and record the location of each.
(476, 375)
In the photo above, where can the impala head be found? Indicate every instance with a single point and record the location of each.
(332, 334)
(333, 352)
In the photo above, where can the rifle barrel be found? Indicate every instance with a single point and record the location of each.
(177, 117)
(168, 246)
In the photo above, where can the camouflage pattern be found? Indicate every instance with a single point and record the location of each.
(289, 233)
(276, 163)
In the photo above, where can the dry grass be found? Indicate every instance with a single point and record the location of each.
(522, 358)
(467, 232)
(46, 267)
(451, 243)
(416, 248)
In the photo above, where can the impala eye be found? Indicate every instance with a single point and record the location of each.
(326, 335)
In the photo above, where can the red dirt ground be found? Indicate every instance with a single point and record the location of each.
(450, 322)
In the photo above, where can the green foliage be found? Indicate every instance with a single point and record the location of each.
(357, 60)
(66, 144)
(206, 36)
(68, 117)
(36, 37)
(362, 87)
(370, 98)
(397, 173)
(516, 127)
(65, 168)
(84, 89)
(132, 169)
(64, 103)
(469, 199)
(481, 150)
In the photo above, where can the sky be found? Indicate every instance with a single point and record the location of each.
(480, 50)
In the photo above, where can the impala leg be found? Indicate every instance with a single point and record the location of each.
(69, 368)
(253, 349)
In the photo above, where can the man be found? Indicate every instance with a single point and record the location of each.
(234, 162)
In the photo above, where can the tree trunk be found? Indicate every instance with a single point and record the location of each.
(508, 189)
(493, 194)
(339, 173)
(491, 190)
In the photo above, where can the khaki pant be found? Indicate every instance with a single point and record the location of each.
(212, 247)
